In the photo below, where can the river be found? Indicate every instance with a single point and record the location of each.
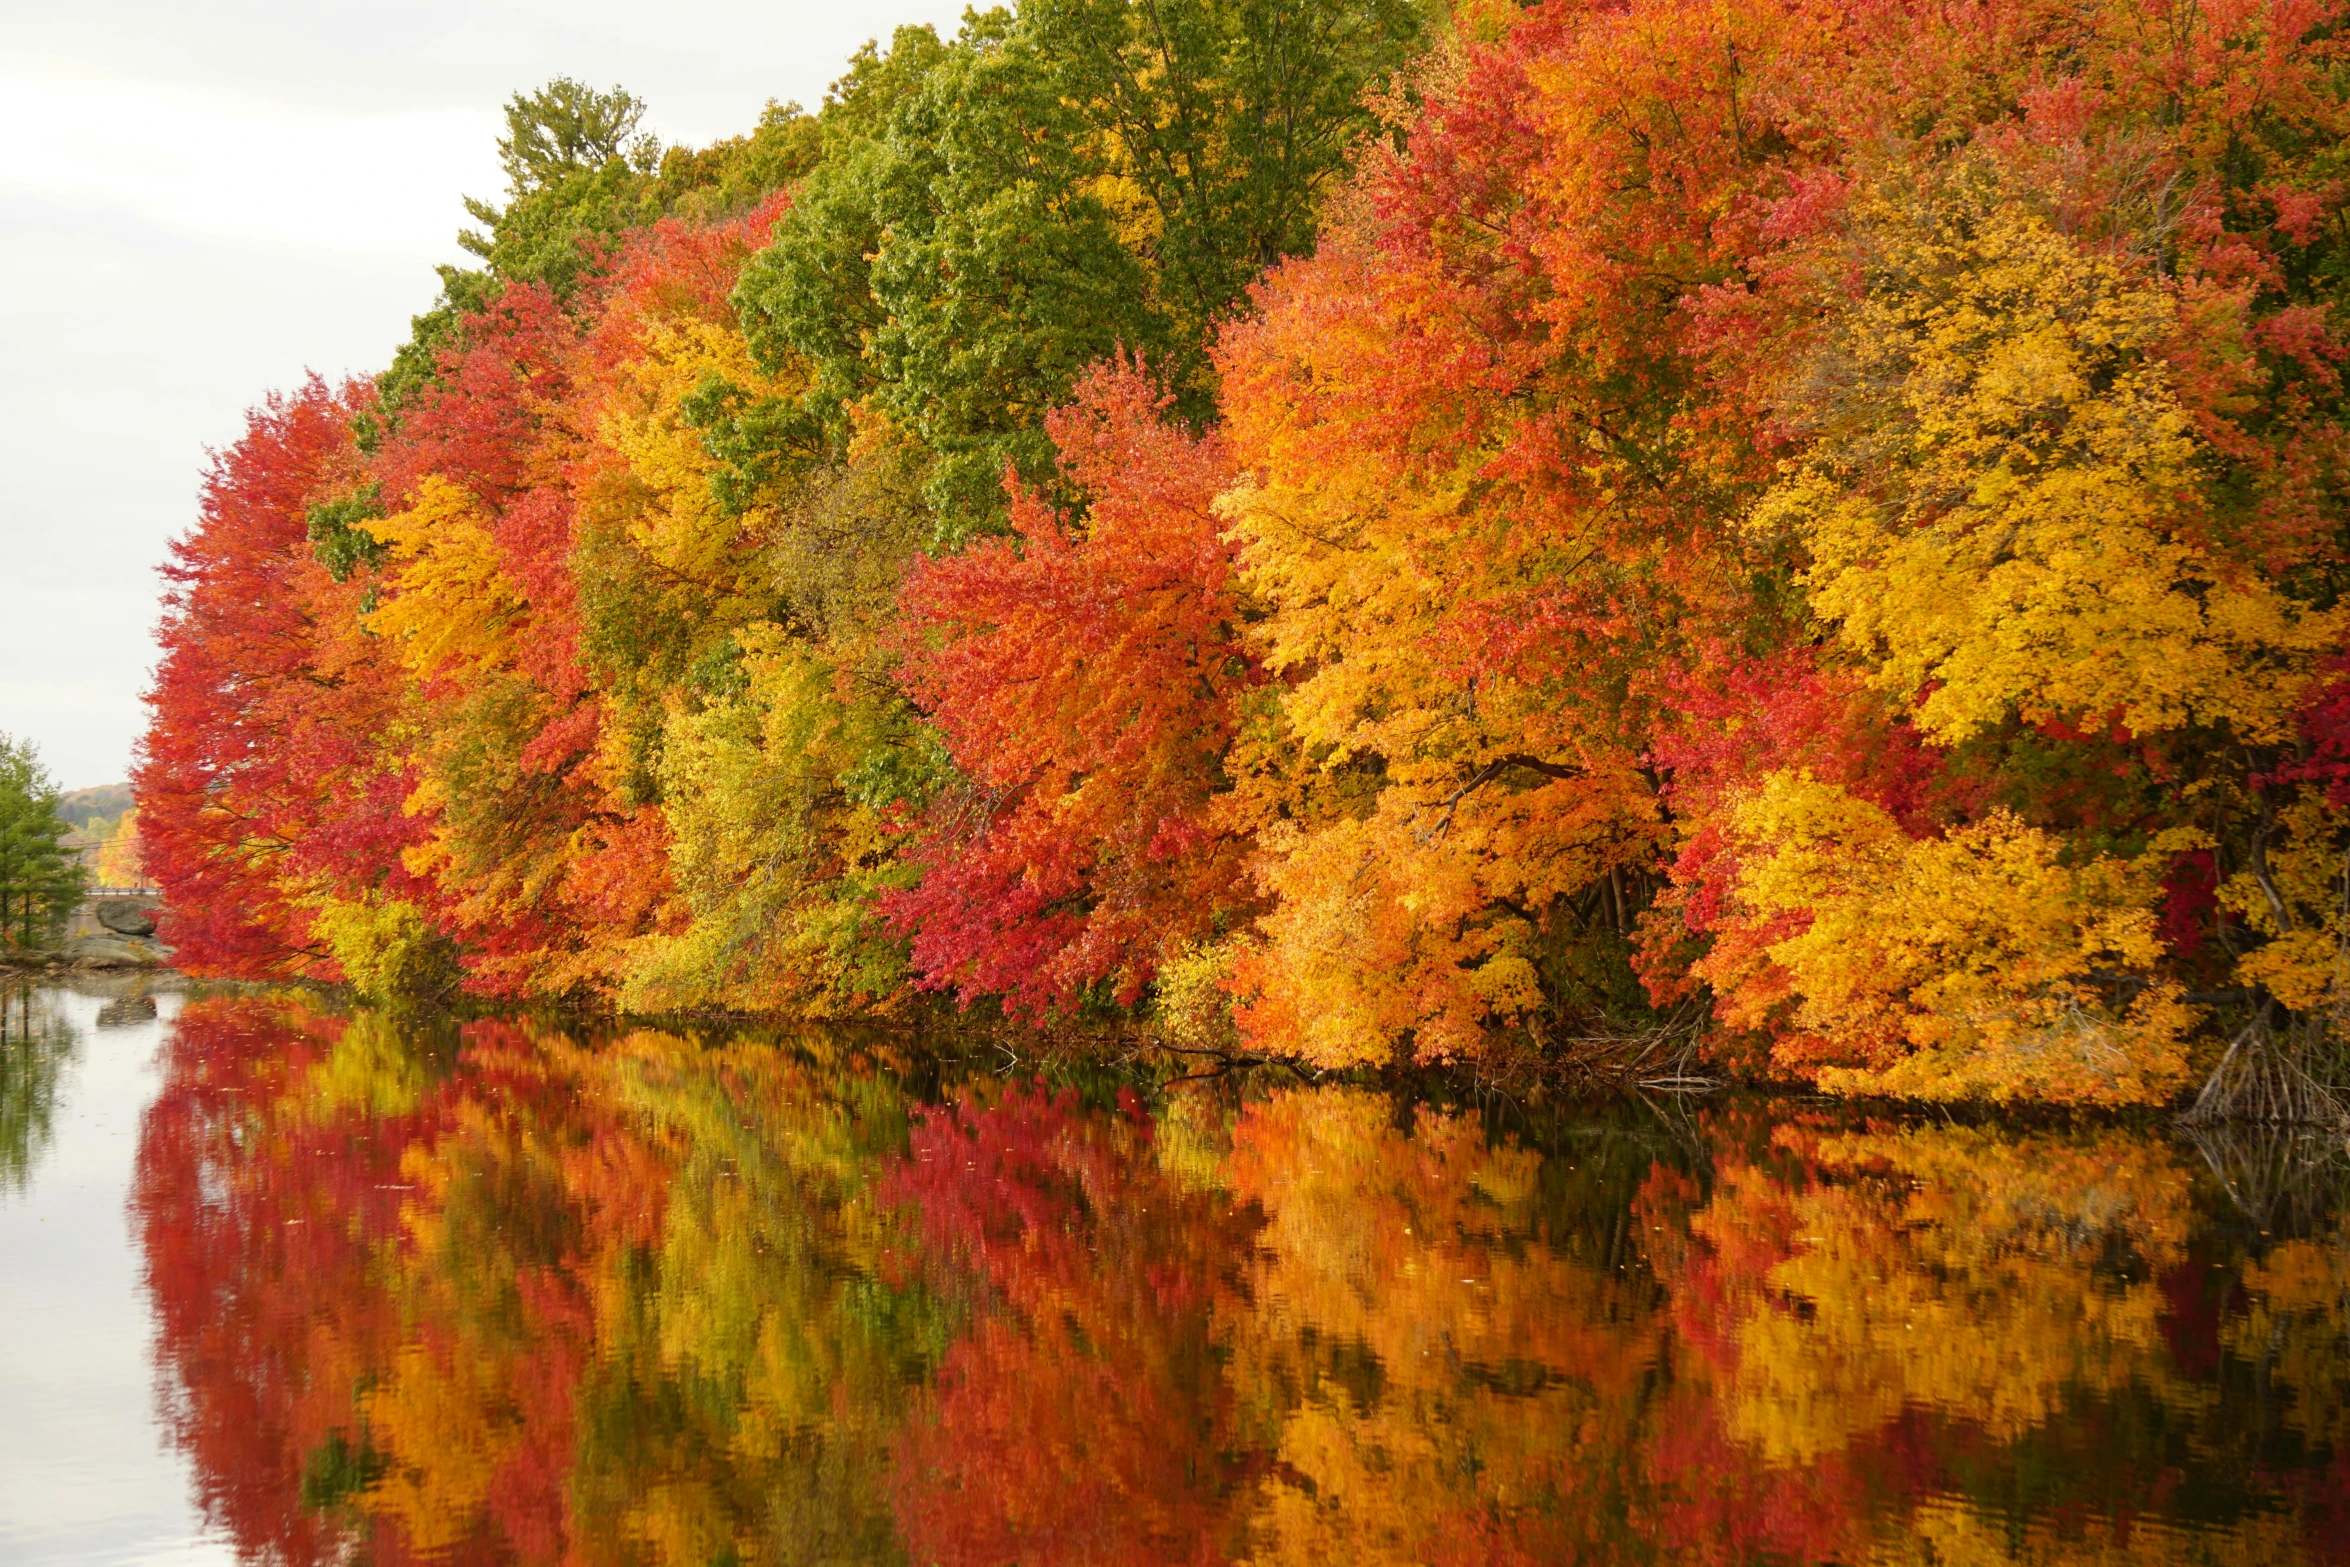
(287, 1283)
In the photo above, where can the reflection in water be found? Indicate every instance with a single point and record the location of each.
(36, 1046)
(501, 1294)
(127, 1011)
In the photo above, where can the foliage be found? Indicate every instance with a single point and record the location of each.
(1675, 341)
(1051, 187)
(2000, 511)
(265, 767)
(781, 846)
(40, 881)
(385, 949)
(1448, 533)
(1081, 844)
(122, 859)
(1971, 965)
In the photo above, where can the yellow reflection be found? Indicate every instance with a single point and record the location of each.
(1441, 1376)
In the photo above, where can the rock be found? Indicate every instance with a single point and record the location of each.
(125, 916)
(112, 951)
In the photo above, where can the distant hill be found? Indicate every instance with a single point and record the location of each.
(80, 807)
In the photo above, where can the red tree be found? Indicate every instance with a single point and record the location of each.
(1086, 674)
(263, 766)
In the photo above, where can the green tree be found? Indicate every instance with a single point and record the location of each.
(574, 168)
(579, 177)
(40, 880)
(574, 163)
(994, 215)
(568, 127)
(1227, 121)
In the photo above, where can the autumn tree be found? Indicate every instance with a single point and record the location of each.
(1803, 541)
(1677, 341)
(263, 780)
(1483, 505)
(1087, 674)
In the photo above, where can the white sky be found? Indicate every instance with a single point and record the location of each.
(201, 199)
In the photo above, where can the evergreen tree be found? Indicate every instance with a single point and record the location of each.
(40, 880)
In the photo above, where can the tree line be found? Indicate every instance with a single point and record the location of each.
(1353, 531)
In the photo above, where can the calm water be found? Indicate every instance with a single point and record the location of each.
(283, 1285)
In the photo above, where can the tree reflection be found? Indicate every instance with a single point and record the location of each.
(1947, 1343)
(1450, 1385)
(504, 1293)
(527, 1301)
(36, 1045)
(1086, 1415)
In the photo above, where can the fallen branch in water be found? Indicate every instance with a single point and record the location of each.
(2265, 1077)
(1227, 1060)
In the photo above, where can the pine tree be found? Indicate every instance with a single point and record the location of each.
(40, 880)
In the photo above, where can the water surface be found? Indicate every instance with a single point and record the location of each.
(503, 1293)
(87, 1474)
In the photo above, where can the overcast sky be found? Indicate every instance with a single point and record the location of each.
(202, 199)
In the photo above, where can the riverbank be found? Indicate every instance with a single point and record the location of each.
(105, 933)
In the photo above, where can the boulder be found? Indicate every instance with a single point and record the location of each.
(125, 916)
(113, 951)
